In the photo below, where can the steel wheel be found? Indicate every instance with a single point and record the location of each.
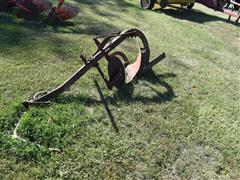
(116, 72)
(147, 4)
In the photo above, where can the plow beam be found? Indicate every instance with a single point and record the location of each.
(120, 70)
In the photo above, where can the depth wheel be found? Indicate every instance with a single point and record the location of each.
(147, 4)
(116, 72)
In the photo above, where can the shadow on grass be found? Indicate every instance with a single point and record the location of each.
(81, 25)
(88, 25)
(30, 36)
(149, 79)
(125, 94)
(114, 4)
(103, 100)
(16, 31)
(190, 15)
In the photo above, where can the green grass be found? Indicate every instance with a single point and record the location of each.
(179, 121)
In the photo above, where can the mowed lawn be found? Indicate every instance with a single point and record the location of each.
(180, 120)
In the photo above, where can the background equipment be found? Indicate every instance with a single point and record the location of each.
(149, 4)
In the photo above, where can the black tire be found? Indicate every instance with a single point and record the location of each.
(236, 7)
(163, 3)
(190, 6)
(147, 4)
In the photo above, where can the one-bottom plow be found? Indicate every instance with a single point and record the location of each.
(120, 70)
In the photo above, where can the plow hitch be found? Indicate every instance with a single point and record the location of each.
(120, 70)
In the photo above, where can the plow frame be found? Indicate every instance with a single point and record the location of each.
(109, 43)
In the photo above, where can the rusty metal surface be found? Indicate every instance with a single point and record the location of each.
(116, 73)
(62, 12)
(132, 69)
(31, 9)
(116, 67)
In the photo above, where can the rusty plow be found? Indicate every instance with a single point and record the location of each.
(120, 70)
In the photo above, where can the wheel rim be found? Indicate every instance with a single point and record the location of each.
(145, 3)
